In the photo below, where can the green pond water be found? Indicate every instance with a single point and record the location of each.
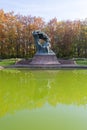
(43, 100)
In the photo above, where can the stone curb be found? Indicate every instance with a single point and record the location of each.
(49, 66)
(1, 67)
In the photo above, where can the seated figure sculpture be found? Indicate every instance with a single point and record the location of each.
(44, 47)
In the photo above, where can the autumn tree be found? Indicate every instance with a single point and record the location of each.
(68, 38)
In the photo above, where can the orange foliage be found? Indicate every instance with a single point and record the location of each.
(68, 38)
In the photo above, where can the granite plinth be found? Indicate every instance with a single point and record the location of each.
(44, 59)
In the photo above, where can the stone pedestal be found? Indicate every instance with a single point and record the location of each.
(44, 59)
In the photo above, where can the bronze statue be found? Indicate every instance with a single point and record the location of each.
(44, 47)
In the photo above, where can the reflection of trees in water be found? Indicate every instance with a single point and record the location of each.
(33, 89)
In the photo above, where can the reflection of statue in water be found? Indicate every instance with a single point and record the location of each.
(42, 47)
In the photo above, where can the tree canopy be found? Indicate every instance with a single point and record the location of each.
(68, 38)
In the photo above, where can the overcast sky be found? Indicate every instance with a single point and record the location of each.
(48, 9)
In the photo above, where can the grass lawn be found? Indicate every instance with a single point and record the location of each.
(81, 61)
(7, 62)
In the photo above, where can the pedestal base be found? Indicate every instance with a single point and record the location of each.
(44, 59)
